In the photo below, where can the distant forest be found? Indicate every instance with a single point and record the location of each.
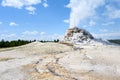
(14, 43)
(117, 41)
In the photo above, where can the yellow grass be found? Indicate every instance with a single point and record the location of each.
(5, 59)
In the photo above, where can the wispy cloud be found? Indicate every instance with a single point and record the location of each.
(6, 36)
(66, 21)
(103, 30)
(51, 37)
(108, 35)
(42, 33)
(92, 23)
(13, 24)
(30, 33)
(31, 9)
(112, 12)
(45, 5)
(0, 22)
(108, 23)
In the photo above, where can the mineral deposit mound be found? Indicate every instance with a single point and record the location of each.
(76, 35)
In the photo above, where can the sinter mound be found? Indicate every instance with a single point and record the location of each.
(77, 35)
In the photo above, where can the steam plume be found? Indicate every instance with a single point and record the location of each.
(82, 9)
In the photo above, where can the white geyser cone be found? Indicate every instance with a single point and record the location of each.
(77, 35)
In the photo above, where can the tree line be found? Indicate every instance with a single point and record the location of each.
(14, 43)
(117, 41)
(44, 41)
(4, 44)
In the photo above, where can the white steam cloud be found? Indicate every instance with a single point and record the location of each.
(82, 9)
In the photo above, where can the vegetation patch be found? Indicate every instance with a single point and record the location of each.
(117, 41)
(6, 44)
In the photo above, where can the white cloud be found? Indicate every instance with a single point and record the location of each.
(108, 23)
(31, 9)
(51, 37)
(19, 3)
(57, 36)
(42, 33)
(13, 24)
(27, 4)
(0, 22)
(108, 35)
(45, 0)
(92, 23)
(45, 5)
(82, 9)
(112, 12)
(66, 21)
(103, 30)
(4, 36)
(12, 3)
(84, 26)
(30, 33)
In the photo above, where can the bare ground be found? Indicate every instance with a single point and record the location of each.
(54, 61)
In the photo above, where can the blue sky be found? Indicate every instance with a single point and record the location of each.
(49, 19)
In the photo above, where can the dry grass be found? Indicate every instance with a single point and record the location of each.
(5, 59)
(6, 49)
(68, 44)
